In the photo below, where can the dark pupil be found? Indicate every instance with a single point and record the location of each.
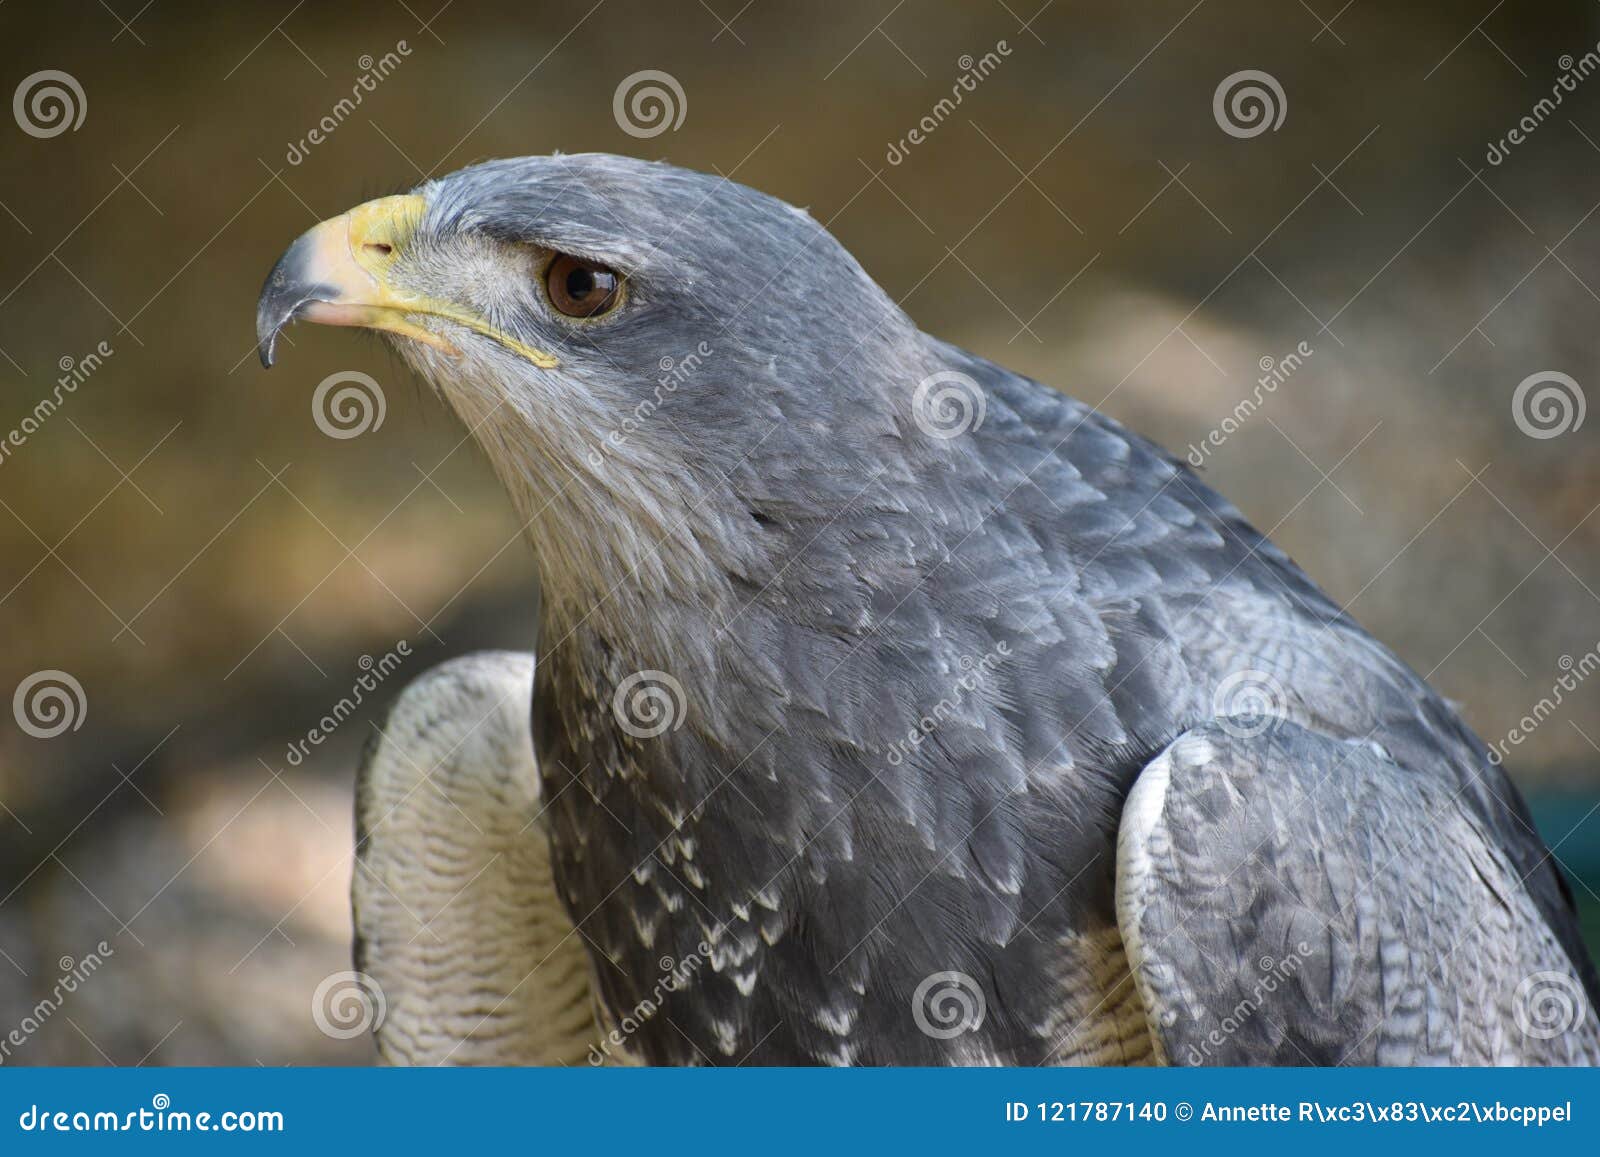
(580, 283)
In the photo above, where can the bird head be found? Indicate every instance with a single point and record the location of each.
(640, 349)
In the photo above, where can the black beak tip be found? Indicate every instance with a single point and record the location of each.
(284, 296)
(281, 298)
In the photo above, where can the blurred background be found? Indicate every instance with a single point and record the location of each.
(201, 572)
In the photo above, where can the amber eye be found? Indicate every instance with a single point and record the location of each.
(580, 288)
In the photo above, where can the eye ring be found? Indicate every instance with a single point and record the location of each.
(582, 289)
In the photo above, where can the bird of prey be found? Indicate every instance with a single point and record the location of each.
(893, 708)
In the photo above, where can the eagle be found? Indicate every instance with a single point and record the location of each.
(889, 707)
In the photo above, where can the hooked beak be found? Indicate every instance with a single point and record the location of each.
(338, 273)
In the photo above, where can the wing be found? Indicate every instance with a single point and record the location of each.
(464, 953)
(1287, 898)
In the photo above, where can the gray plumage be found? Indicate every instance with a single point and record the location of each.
(920, 675)
(1392, 916)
